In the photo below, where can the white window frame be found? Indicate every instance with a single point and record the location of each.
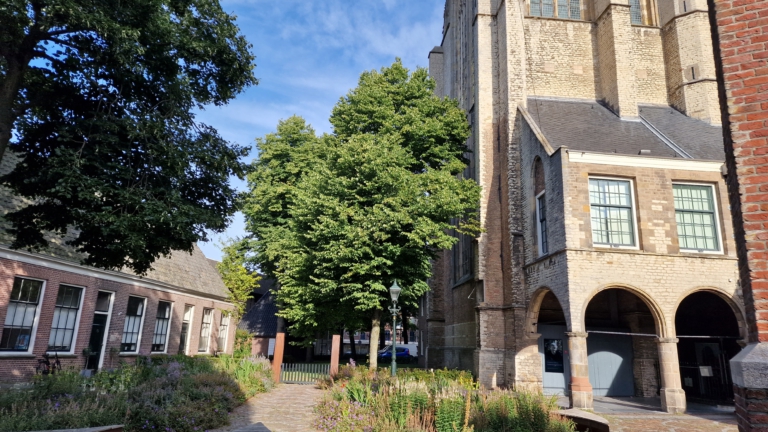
(210, 330)
(77, 321)
(539, 238)
(141, 328)
(633, 201)
(189, 327)
(226, 335)
(36, 321)
(716, 209)
(109, 322)
(168, 330)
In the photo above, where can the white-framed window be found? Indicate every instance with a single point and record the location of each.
(698, 227)
(205, 330)
(66, 319)
(612, 212)
(102, 317)
(186, 324)
(162, 324)
(541, 223)
(134, 321)
(568, 9)
(223, 331)
(22, 316)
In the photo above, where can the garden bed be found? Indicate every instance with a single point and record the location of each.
(438, 401)
(169, 393)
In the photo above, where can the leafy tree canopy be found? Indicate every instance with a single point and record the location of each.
(236, 275)
(97, 101)
(336, 219)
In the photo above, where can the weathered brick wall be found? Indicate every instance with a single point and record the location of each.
(648, 62)
(559, 58)
(741, 29)
(15, 368)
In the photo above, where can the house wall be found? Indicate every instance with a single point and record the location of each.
(15, 367)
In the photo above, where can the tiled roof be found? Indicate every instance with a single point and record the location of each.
(260, 319)
(188, 271)
(587, 125)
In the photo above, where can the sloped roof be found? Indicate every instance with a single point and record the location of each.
(587, 125)
(188, 271)
(260, 319)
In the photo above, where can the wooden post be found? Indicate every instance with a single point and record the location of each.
(277, 359)
(335, 345)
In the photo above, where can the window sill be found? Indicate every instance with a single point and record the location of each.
(463, 280)
(698, 252)
(62, 355)
(128, 354)
(17, 355)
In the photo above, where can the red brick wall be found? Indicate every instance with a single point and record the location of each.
(742, 27)
(20, 368)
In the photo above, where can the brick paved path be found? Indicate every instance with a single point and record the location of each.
(671, 423)
(287, 408)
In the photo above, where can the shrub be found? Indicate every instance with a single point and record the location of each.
(175, 393)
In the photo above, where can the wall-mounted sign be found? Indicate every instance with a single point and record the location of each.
(705, 371)
(553, 356)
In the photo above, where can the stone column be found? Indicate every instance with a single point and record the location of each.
(672, 394)
(581, 389)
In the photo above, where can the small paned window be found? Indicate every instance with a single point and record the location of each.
(695, 217)
(635, 12)
(223, 330)
(205, 330)
(132, 327)
(565, 8)
(541, 210)
(160, 336)
(20, 317)
(611, 212)
(64, 318)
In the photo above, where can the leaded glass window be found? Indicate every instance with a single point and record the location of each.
(575, 9)
(541, 205)
(20, 317)
(188, 312)
(611, 212)
(635, 12)
(536, 7)
(565, 8)
(548, 8)
(163, 319)
(132, 327)
(64, 318)
(205, 330)
(695, 217)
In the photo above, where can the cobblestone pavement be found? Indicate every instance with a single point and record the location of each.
(287, 408)
(671, 423)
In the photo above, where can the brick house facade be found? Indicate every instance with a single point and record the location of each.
(50, 303)
(594, 126)
(740, 29)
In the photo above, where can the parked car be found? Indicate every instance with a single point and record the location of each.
(403, 354)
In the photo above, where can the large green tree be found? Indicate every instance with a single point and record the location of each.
(97, 101)
(336, 219)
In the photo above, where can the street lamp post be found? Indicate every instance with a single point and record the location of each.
(394, 292)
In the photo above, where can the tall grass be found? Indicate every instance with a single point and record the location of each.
(439, 401)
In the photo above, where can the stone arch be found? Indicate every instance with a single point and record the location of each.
(659, 318)
(737, 309)
(534, 307)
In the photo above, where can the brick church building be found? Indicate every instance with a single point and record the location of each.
(608, 265)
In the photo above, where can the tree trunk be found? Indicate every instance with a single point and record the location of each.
(352, 347)
(373, 351)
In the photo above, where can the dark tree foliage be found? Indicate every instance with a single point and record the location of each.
(97, 101)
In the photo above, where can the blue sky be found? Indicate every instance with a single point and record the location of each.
(311, 52)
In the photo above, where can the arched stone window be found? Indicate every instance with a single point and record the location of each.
(539, 189)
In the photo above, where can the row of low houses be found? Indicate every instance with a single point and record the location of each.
(92, 318)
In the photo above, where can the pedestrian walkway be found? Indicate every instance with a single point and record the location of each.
(287, 408)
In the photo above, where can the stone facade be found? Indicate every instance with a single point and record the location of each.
(741, 30)
(494, 57)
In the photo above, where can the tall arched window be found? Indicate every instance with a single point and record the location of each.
(635, 12)
(539, 189)
(568, 9)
